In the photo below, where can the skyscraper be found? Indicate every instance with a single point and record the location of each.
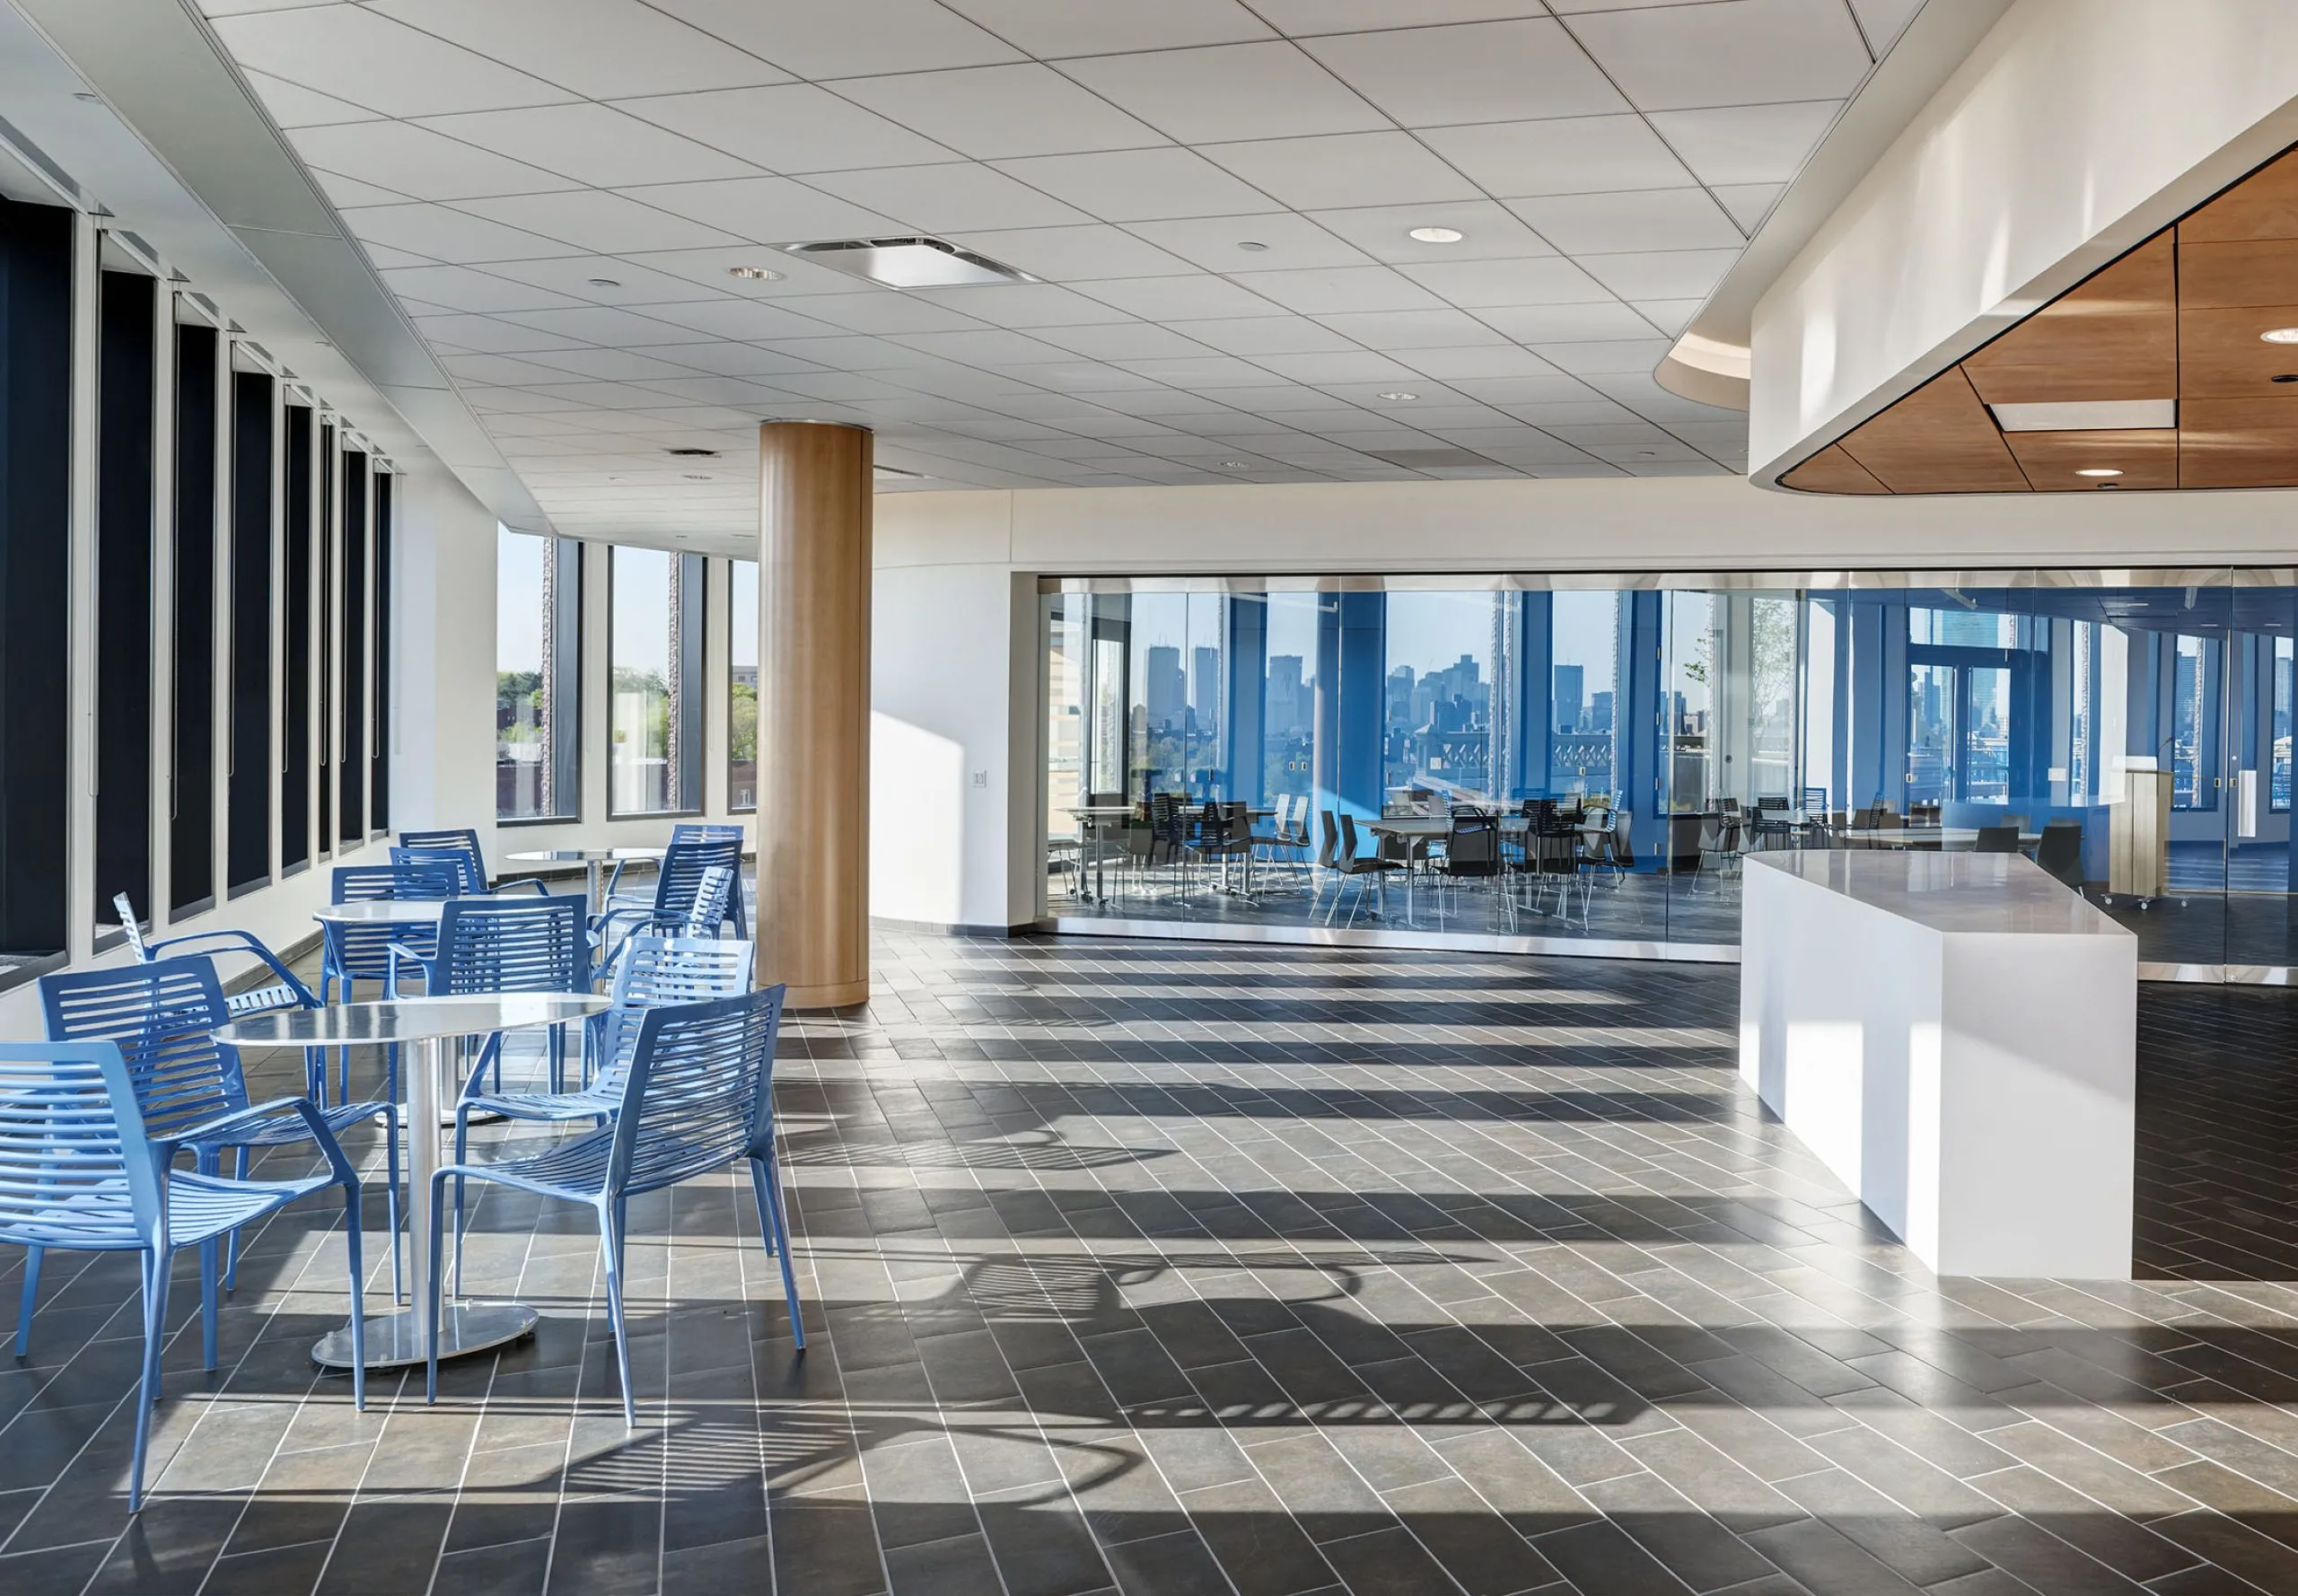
(1205, 686)
(1285, 707)
(1569, 691)
(1163, 686)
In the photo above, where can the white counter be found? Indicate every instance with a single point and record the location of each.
(1955, 1035)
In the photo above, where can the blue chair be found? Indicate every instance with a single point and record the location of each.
(78, 1171)
(699, 1096)
(463, 842)
(163, 1017)
(702, 831)
(491, 945)
(655, 971)
(349, 954)
(288, 992)
(675, 890)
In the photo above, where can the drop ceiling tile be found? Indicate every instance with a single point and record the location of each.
(793, 128)
(991, 346)
(747, 319)
(605, 325)
(1139, 185)
(356, 55)
(594, 143)
(1552, 386)
(850, 39)
(1485, 364)
(1303, 18)
(461, 288)
(1884, 21)
(1567, 323)
(384, 257)
(347, 192)
(1002, 112)
(769, 210)
(724, 359)
(1341, 290)
(1026, 305)
(1197, 372)
(1476, 72)
(1228, 93)
(1606, 357)
(1051, 29)
(603, 223)
(293, 106)
(1073, 254)
(845, 386)
(616, 365)
(1489, 231)
(1747, 144)
(485, 335)
(1297, 404)
(1671, 316)
(1715, 439)
(1287, 240)
(1566, 412)
(1646, 219)
(713, 269)
(443, 235)
(1256, 336)
(519, 401)
(1122, 340)
(1735, 52)
(1354, 366)
(1477, 284)
(1198, 295)
(1566, 155)
(880, 310)
(1664, 273)
(960, 197)
(499, 371)
(852, 352)
(1338, 169)
(417, 163)
(605, 279)
(1749, 203)
(1413, 329)
(601, 49)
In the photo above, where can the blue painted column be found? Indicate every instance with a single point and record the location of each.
(1351, 703)
(1640, 718)
(1245, 653)
(1536, 723)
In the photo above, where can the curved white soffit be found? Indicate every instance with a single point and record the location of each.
(183, 154)
(1709, 362)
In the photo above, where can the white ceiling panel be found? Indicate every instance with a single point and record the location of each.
(613, 365)
(993, 112)
(1340, 290)
(1026, 305)
(461, 288)
(1642, 219)
(1481, 72)
(441, 234)
(1256, 336)
(1411, 329)
(409, 159)
(1120, 340)
(1671, 316)
(593, 143)
(749, 319)
(1489, 231)
(291, 105)
(604, 279)
(766, 210)
(1884, 21)
(600, 48)
(791, 127)
(1193, 297)
(1073, 254)
(1583, 357)
(1139, 185)
(1747, 144)
(1541, 281)
(356, 55)
(1354, 366)
(1543, 325)
(1285, 240)
(1051, 29)
(849, 38)
(1482, 364)
(885, 310)
(1732, 52)
(948, 199)
(1344, 169)
(605, 325)
(486, 335)
(1569, 155)
(1228, 92)
(1663, 274)
(1748, 203)
(594, 220)
(1305, 18)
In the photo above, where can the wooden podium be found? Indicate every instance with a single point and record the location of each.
(2138, 835)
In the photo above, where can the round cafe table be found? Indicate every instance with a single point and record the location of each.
(427, 1024)
(594, 861)
(399, 911)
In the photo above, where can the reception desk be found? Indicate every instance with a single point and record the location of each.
(1954, 1036)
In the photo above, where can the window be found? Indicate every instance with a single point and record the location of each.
(741, 690)
(329, 581)
(378, 802)
(296, 711)
(1440, 682)
(655, 654)
(192, 842)
(1584, 722)
(2194, 723)
(351, 773)
(2279, 788)
(249, 761)
(124, 595)
(538, 629)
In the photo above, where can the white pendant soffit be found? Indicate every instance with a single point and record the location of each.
(2088, 416)
(1942, 34)
(180, 152)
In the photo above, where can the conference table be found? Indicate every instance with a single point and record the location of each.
(427, 1025)
(1944, 838)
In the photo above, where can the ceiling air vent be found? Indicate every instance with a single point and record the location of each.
(908, 262)
(1430, 459)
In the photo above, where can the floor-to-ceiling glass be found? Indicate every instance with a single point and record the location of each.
(1591, 760)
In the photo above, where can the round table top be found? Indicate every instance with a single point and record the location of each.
(586, 855)
(408, 1020)
(399, 911)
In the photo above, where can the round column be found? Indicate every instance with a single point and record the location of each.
(813, 712)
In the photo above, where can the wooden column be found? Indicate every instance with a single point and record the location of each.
(813, 712)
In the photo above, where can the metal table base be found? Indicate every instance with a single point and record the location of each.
(395, 1340)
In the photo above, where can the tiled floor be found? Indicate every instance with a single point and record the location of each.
(1180, 1269)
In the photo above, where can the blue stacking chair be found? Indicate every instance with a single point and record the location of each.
(699, 1096)
(675, 890)
(287, 992)
(703, 831)
(163, 1017)
(463, 842)
(655, 971)
(492, 945)
(79, 1171)
(349, 954)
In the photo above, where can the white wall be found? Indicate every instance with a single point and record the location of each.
(2075, 129)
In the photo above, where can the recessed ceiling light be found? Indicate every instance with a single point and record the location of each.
(1232, 465)
(604, 283)
(1252, 247)
(756, 274)
(1438, 235)
(698, 476)
(2098, 471)
(1396, 397)
(2279, 334)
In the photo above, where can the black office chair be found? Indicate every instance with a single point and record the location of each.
(1471, 845)
(2059, 850)
(1358, 868)
(1997, 840)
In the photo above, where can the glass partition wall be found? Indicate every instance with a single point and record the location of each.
(1585, 762)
